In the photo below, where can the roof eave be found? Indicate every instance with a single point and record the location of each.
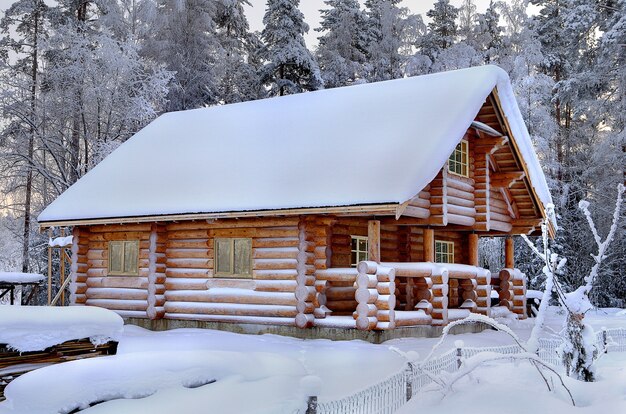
(375, 209)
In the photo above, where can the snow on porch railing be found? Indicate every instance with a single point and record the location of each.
(388, 396)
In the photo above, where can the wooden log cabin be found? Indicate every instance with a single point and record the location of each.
(357, 208)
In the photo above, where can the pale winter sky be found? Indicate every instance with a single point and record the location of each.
(310, 8)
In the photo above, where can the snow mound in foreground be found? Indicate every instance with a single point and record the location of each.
(35, 328)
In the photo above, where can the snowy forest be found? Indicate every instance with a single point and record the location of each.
(79, 77)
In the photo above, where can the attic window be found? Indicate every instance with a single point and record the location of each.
(444, 251)
(233, 257)
(124, 258)
(359, 250)
(458, 163)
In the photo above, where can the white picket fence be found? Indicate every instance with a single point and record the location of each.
(389, 395)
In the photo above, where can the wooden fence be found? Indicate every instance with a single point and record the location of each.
(389, 395)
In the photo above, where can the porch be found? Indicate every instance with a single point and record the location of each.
(380, 295)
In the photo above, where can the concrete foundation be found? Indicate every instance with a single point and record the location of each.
(335, 334)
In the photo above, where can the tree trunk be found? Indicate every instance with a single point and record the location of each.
(31, 145)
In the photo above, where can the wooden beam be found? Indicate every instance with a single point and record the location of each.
(505, 179)
(509, 253)
(369, 209)
(429, 245)
(373, 240)
(495, 98)
(473, 249)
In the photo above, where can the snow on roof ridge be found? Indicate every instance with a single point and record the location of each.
(363, 144)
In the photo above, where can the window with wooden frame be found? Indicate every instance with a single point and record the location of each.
(444, 251)
(124, 258)
(458, 163)
(233, 257)
(359, 250)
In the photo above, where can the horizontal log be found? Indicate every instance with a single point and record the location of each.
(275, 285)
(340, 293)
(189, 273)
(267, 242)
(190, 263)
(189, 253)
(417, 212)
(113, 304)
(366, 323)
(275, 274)
(185, 284)
(131, 282)
(342, 305)
(117, 293)
(413, 318)
(271, 264)
(365, 309)
(108, 228)
(460, 219)
(233, 309)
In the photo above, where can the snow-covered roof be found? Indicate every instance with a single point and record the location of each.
(365, 144)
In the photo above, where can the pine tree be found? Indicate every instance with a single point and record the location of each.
(487, 34)
(290, 67)
(442, 29)
(237, 76)
(385, 27)
(182, 36)
(343, 46)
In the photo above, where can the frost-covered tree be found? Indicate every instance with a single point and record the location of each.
(342, 50)
(467, 19)
(386, 34)
(487, 34)
(579, 351)
(442, 29)
(236, 73)
(23, 27)
(182, 36)
(290, 67)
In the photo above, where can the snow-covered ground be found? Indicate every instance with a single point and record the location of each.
(518, 389)
(188, 370)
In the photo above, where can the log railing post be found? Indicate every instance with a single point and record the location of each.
(509, 253)
(373, 240)
(473, 249)
(429, 245)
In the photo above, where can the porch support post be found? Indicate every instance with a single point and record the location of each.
(429, 245)
(509, 253)
(373, 240)
(473, 249)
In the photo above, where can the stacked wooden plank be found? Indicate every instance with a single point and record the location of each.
(13, 363)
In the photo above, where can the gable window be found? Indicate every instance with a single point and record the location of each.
(124, 258)
(444, 251)
(458, 163)
(233, 257)
(359, 250)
